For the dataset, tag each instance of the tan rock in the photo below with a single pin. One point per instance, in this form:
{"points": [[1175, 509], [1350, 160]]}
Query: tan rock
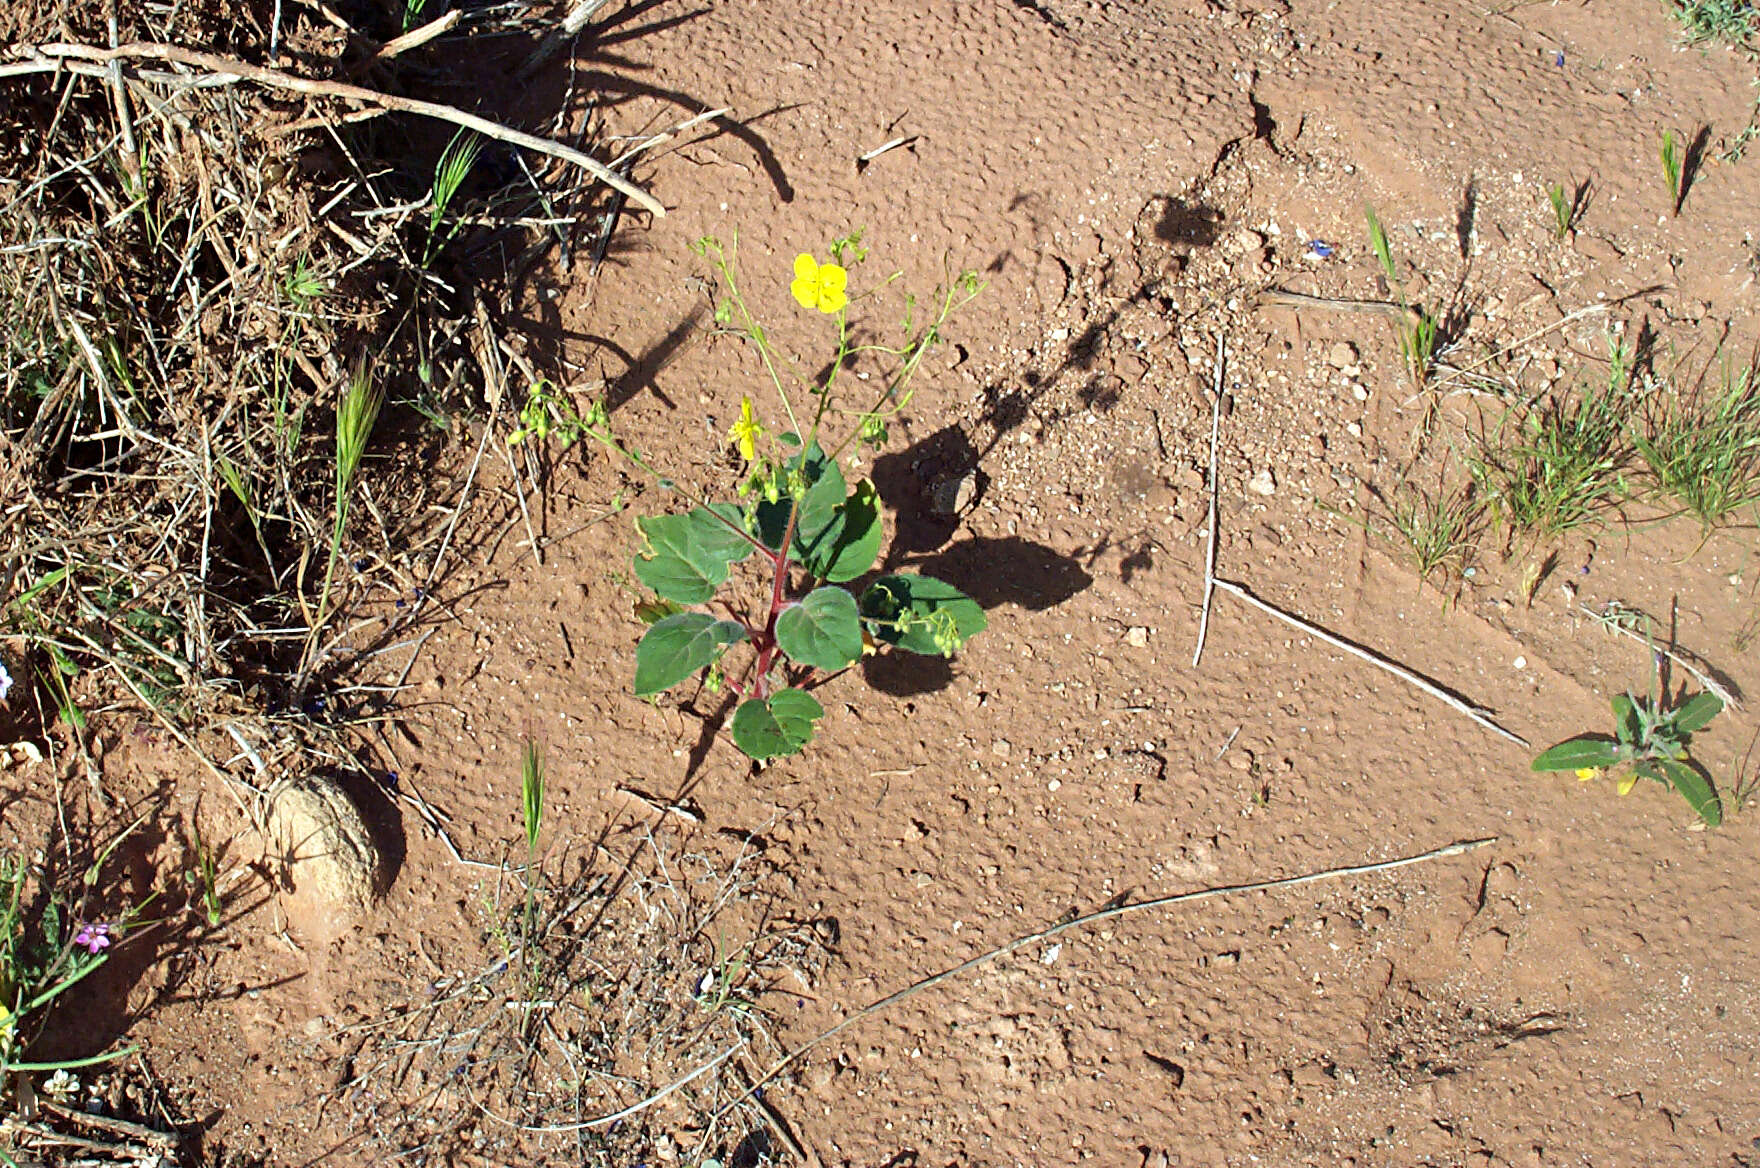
{"points": [[325, 858]]}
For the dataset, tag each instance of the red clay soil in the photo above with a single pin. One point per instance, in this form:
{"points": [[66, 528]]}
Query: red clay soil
{"points": [[1128, 178]]}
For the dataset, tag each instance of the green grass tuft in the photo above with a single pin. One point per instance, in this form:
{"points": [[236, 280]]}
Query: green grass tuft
{"points": [[1729, 22], [1568, 464], [1704, 450]]}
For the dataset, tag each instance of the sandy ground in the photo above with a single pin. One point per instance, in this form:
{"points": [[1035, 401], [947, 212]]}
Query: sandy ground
{"points": [[1128, 178]]}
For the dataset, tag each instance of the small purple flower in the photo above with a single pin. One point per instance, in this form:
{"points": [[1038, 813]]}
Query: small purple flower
{"points": [[1320, 249], [5, 681], [93, 938], [1559, 60]]}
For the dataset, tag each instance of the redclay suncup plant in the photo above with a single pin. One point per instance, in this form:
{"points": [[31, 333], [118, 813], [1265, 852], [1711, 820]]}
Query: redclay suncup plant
{"points": [[1648, 742], [815, 535]]}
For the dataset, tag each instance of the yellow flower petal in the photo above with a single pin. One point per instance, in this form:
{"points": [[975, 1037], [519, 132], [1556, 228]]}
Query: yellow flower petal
{"points": [[1587, 773], [819, 286], [746, 432], [805, 288], [1627, 782], [832, 300]]}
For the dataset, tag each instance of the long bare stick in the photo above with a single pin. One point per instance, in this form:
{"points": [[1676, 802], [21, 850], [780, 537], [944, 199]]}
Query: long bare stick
{"points": [[417, 37], [1474, 712], [47, 58], [1615, 615], [578, 15], [1210, 549], [1105, 914], [634, 1108]]}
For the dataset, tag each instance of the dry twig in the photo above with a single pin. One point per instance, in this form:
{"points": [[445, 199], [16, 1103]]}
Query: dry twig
{"points": [[1093, 918], [52, 58], [1406, 675], [1210, 549]]}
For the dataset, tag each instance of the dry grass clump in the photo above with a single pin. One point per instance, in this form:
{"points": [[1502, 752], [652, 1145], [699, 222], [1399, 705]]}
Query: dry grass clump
{"points": [[627, 1021], [208, 288]]}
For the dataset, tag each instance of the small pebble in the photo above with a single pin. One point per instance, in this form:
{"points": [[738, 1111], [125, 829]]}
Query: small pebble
{"points": [[1136, 636], [1342, 354], [1263, 483]]}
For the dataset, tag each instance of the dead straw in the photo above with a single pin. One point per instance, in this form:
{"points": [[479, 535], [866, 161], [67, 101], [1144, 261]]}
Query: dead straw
{"points": [[1210, 548], [1406, 675], [52, 58]]}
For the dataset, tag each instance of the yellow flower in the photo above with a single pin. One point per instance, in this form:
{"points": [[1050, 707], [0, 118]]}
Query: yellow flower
{"points": [[746, 431], [1627, 781], [818, 285], [1587, 773]]}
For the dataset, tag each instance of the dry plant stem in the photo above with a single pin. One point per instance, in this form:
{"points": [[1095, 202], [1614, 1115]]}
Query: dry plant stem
{"points": [[1474, 712], [578, 15], [1092, 918], [416, 37], [647, 144], [637, 1107], [1579, 314], [1608, 621], [1278, 298], [52, 57], [1210, 550], [773, 1120]]}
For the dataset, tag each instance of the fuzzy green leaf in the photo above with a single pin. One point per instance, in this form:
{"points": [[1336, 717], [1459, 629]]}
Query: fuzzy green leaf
{"points": [[921, 614], [688, 556], [1625, 718], [1697, 712], [780, 725], [677, 646], [1591, 750], [1694, 787], [824, 630], [849, 544]]}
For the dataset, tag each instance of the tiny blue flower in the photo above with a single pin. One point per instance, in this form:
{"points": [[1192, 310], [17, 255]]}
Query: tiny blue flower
{"points": [[1559, 60], [1320, 249], [5, 681]]}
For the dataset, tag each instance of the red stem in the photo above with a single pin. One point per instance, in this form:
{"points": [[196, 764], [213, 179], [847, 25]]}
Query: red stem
{"points": [[778, 588]]}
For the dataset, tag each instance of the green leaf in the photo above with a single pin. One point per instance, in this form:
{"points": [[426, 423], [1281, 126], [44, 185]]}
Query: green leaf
{"points": [[776, 726], [1590, 750], [1694, 787], [677, 646], [850, 543], [825, 492], [1697, 712], [824, 630], [1378, 241], [689, 555], [1625, 718], [921, 614], [649, 611]]}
